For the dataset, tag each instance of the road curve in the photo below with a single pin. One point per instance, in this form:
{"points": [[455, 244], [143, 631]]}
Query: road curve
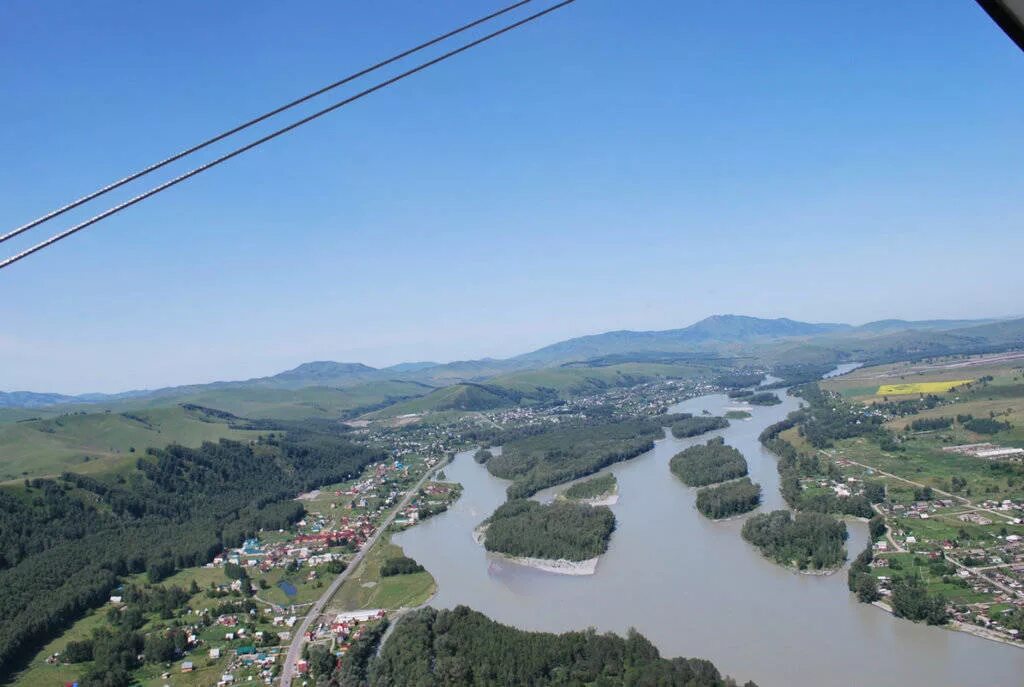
{"points": [[299, 639]]}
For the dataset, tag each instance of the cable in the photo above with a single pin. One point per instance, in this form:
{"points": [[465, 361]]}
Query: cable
{"points": [[241, 127], [305, 120]]}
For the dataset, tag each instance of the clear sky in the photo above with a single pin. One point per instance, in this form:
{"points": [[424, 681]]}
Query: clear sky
{"points": [[636, 164]]}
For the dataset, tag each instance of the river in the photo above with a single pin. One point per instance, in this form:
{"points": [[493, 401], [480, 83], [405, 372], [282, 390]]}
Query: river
{"points": [[695, 588]]}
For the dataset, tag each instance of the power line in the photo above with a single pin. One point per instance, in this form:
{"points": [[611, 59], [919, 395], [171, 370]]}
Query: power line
{"points": [[241, 127], [305, 120]]}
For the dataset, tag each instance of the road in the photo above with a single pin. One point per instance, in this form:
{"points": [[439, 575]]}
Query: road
{"points": [[299, 638], [977, 571]]}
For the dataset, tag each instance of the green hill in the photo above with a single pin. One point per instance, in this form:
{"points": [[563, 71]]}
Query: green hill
{"points": [[99, 442]]}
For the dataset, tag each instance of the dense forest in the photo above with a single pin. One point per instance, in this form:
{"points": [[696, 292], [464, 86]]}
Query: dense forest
{"points": [[462, 647], [694, 426], [731, 498], [65, 543], [592, 488], [706, 464], [563, 529], [564, 453], [803, 540]]}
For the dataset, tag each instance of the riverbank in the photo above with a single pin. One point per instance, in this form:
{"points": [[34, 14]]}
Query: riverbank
{"points": [[957, 626], [560, 566], [609, 499]]}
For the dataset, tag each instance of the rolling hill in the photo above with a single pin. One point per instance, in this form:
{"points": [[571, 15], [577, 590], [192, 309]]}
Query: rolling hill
{"points": [[332, 389]]}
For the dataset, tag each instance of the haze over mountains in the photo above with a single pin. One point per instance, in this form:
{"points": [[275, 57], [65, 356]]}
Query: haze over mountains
{"points": [[762, 340]]}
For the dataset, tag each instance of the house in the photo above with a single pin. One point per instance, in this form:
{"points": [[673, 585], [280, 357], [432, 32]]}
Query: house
{"points": [[215, 653], [187, 667]]}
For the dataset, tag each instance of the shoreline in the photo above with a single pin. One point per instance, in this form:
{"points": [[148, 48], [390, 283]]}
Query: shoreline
{"points": [[609, 499], [558, 566], [958, 626]]}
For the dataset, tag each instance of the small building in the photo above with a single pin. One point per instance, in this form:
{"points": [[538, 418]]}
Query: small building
{"points": [[187, 667]]}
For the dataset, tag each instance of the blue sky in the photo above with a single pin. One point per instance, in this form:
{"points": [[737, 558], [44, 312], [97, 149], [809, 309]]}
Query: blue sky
{"points": [[618, 165]]}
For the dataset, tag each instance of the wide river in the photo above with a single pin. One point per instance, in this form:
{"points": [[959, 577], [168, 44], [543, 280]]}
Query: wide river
{"points": [[695, 588]]}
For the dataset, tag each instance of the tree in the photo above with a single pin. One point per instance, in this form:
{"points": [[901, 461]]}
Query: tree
{"points": [[321, 661], [867, 589]]}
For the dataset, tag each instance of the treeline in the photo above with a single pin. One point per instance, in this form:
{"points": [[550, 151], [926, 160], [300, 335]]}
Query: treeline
{"points": [[983, 425], [798, 373], [564, 453], [763, 398], [562, 529], [801, 540], [793, 464], [463, 647], [592, 488], [694, 426], [400, 565], [910, 599], [706, 464], [731, 498], [859, 578], [66, 543], [738, 380], [927, 424], [829, 418], [482, 456]]}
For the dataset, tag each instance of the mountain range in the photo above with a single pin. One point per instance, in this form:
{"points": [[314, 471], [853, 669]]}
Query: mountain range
{"points": [[767, 341]]}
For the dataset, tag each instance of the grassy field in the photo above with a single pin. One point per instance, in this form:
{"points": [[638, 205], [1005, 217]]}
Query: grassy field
{"points": [[926, 464], [367, 589], [915, 564], [867, 383], [41, 674], [98, 442]]}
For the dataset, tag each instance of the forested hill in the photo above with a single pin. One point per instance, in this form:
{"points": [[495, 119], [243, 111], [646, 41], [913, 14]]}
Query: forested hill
{"points": [[463, 647], [65, 543]]}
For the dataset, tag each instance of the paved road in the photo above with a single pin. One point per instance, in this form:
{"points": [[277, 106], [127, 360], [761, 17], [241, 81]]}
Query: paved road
{"points": [[299, 638]]}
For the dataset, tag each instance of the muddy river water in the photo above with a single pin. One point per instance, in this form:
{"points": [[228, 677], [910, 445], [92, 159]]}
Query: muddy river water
{"points": [[695, 588]]}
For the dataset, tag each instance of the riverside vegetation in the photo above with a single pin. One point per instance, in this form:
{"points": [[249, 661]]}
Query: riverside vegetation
{"points": [[706, 464], [592, 488], [730, 498], [800, 540], [695, 426], [560, 530], [564, 453], [461, 646]]}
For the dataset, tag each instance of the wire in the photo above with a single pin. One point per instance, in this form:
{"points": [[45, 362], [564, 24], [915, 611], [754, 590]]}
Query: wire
{"points": [[241, 127], [305, 120]]}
